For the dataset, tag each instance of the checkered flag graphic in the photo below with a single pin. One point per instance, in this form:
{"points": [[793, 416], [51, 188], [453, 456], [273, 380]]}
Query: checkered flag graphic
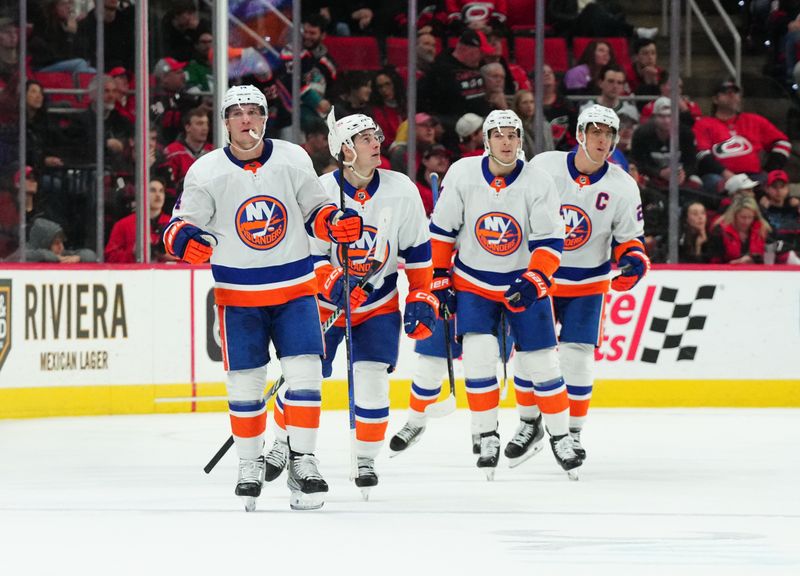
{"points": [[660, 325]]}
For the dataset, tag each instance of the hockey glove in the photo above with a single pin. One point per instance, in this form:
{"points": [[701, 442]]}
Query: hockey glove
{"points": [[187, 242], [420, 315], [531, 286], [333, 290], [442, 288], [634, 265], [344, 226]]}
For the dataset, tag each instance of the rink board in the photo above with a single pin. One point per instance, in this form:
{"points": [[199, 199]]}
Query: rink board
{"points": [[140, 339]]}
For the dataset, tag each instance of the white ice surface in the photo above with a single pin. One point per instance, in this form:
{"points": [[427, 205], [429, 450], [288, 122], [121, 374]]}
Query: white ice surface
{"points": [[662, 492]]}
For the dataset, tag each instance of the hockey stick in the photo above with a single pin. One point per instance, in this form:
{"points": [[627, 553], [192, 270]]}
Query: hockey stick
{"points": [[448, 405], [377, 262], [435, 187], [504, 387]]}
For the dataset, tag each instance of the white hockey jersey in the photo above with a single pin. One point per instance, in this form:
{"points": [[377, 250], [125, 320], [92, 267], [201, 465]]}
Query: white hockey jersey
{"points": [[601, 212], [408, 239], [500, 226], [261, 214]]}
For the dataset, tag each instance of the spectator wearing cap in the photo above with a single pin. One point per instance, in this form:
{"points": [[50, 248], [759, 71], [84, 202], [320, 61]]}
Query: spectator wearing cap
{"points": [[126, 101], [388, 104], [650, 147], [469, 129], [611, 83], [732, 142], [782, 211], [119, 37], [524, 105], [179, 30], [739, 235], [425, 130], [54, 45], [435, 159], [689, 109], [188, 147], [170, 101], [454, 85]]}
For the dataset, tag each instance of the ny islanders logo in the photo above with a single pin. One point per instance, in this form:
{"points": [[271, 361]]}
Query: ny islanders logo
{"points": [[362, 251], [498, 233], [578, 226], [261, 222]]}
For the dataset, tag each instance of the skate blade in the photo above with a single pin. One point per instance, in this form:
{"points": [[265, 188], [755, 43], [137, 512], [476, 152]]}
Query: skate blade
{"points": [[573, 475], [489, 474], [302, 501], [535, 449], [249, 503], [365, 493]]}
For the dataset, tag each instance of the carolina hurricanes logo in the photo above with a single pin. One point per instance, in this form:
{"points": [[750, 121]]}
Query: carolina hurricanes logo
{"points": [[362, 251], [498, 233], [733, 147], [578, 226], [261, 222]]}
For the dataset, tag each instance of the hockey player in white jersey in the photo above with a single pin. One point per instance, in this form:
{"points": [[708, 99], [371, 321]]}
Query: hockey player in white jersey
{"points": [[249, 207], [602, 210], [503, 216], [376, 320]]}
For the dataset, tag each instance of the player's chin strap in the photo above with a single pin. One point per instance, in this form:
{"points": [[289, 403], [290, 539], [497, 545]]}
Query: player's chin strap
{"points": [[253, 134], [352, 167], [505, 164], [588, 156]]}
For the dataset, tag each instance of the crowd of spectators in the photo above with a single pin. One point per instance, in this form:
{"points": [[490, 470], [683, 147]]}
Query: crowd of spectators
{"points": [[466, 68]]}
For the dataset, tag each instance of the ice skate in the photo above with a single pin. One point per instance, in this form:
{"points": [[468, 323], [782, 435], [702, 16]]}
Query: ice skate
{"points": [[367, 478], [305, 482], [276, 460], [490, 453], [527, 442], [408, 435], [248, 486], [576, 443], [476, 443], [564, 451]]}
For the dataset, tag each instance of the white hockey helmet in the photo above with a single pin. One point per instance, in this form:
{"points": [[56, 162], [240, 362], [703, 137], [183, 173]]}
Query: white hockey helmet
{"points": [[342, 131], [241, 95], [503, 119], [597, 114]]}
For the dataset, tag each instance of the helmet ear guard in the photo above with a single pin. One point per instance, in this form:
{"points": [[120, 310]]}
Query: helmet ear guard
{"points": [[503, 119]]}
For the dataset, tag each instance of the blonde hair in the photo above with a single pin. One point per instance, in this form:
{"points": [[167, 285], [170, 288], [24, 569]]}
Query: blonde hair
{"points": [[518, 98], [740, 203]]}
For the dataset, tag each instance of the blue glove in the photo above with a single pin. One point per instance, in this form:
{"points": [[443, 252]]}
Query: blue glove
{"points": [[442, 288], [420, 314], [634, 265], [531, 286]]}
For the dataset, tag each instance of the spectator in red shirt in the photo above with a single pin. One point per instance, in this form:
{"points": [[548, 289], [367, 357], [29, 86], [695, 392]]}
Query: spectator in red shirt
{"points": [[189, 146], [646, 72], [731, 141], [689, 109], [125, 104], [388, 105], [739, 235], [121, 247]]}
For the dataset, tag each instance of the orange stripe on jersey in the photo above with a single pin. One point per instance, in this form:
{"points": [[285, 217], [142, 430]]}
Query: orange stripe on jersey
{"points": [[572, 290], [579, 408], [442, 253], [360, 317], [371, 432], [274, 297], [169, 237], [625, 246], [418, 404], [544, 261], [248, 427], [301, 416], [483, 402], [321, 222], [465, 285], [527, 398], [553, 404], [322, 274], [419, 278]]}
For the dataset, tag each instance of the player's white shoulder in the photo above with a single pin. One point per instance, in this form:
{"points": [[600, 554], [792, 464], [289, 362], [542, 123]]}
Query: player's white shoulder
{"points": [[397, 182], [549, 160], [289, 153], [623, 183], [469, 167], [208, 165]]}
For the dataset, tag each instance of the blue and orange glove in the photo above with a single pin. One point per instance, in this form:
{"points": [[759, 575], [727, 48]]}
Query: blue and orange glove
{"points": [[531, 286], [333, 290], [420, 315], [442, 289], [344, 226], [634, 265], [188, 242]]}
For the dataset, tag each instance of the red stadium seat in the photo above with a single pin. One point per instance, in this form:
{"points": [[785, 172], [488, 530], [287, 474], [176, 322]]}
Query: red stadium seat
{"points": [[555, 53], [619, 45], [354, 52], [57, 81], [84, 79], [521, 15], [397, 51]]}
